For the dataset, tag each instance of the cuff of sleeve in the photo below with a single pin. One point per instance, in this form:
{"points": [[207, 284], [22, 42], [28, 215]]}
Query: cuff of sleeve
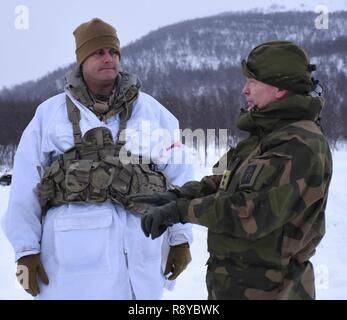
{"points": [[19, 255], [179, 233], [182, 245], [182, 208]]}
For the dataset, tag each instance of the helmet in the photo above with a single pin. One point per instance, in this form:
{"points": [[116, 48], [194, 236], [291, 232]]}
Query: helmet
{"points": [[282, 64]]}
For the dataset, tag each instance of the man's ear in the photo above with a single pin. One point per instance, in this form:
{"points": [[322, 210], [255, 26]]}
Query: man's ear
{"points": [[281, 93]]}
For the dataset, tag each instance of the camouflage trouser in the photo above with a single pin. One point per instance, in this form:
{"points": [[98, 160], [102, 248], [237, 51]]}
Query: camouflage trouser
{"points": [[226, 281]]}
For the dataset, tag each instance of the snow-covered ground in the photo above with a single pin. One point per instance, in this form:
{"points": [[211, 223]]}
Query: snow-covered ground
{"points": [[330, 260]]}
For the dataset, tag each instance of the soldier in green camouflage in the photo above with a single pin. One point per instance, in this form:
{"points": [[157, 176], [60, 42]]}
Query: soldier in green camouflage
{"points": [[266, 213]]}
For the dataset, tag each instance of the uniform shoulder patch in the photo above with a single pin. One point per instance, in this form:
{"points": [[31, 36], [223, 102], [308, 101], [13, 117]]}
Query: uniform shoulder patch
{"points": [[250, 174]]}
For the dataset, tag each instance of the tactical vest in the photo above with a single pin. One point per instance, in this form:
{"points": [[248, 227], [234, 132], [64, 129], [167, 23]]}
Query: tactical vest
{"points": [[92, 171]]}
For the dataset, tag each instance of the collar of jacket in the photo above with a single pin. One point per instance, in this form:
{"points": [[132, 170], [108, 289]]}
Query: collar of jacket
{"points": [[125, 92], [281, 113]]}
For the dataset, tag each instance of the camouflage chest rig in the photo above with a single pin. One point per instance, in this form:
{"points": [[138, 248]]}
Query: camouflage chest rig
{"points": [[92, 171]]}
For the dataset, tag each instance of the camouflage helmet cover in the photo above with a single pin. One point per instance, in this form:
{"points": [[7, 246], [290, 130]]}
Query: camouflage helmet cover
{"points": [[282, 64]]}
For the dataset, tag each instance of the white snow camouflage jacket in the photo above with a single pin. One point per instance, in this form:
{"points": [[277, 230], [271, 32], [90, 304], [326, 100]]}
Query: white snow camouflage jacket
{"points": [[93, 251]]}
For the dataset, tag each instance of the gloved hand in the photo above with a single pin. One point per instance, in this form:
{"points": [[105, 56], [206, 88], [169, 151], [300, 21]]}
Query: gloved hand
{"points": [[157, 198], [178, 259], [157, 219], [28, 268]]}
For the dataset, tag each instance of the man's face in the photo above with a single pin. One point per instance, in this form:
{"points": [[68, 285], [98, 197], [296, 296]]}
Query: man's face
{"points": [[102, 66], [259, 94]]}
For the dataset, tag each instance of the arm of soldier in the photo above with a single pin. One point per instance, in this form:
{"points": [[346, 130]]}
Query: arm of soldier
{"points": [[182, 174], [208, 184], [22, 220], [282, 188], [197, 189], [190, 190]]}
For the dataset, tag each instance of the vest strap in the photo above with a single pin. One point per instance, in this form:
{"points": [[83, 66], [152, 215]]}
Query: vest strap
{"points": [[74, 117]]}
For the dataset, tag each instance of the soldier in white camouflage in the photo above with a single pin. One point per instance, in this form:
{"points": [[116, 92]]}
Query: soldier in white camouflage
{"points": [[73, 233], [266, 213]]}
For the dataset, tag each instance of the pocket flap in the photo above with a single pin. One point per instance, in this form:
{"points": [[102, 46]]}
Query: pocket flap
{"points": [[78, 175], [82, 221]]}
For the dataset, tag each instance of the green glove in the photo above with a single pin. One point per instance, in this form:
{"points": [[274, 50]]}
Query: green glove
{"points": [[156, 198], [28, 269], [178, 259], [157, 219]]}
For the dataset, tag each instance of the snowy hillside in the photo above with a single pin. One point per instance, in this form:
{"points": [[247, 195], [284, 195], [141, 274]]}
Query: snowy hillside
{"points": [[210, 44], [195, 65], [330, 260]]}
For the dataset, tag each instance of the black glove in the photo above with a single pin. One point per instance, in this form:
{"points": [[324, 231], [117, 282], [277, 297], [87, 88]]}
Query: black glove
{"points": [[156, 198], [157, 219]]}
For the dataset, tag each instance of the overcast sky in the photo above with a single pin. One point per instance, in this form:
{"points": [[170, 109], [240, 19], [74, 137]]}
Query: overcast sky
{"points": [[32, 47]]}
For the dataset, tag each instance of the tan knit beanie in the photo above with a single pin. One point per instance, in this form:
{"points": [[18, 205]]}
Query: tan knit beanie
{"points": [[92, 36]]}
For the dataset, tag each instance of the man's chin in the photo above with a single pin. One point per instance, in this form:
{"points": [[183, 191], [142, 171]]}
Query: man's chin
{"points": [[108, 78], [107, 73]]}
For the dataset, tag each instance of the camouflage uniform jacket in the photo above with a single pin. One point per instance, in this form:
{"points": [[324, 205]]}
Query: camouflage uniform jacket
{"points": [[265, 220]]}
